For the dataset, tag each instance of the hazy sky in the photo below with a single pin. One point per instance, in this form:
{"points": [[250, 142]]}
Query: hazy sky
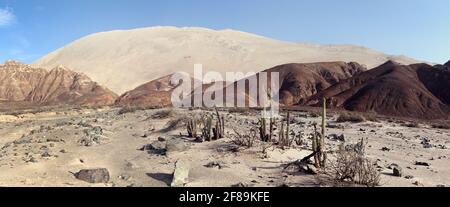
{"points": [[30, 29]]}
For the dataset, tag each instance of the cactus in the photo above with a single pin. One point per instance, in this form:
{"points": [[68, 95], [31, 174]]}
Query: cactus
{"points": [[271, 128], [322, 140], [318, 147], [192, 127], [287, 141], [219, 129], [282, 134], [206, 133]]}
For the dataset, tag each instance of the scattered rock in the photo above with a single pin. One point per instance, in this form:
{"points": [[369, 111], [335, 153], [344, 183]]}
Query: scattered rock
{"points": [[100, 175], [176, 145], [417, 183], [422, 164], [156, 147], [385, 149], [426, 143], [213, 164], [397, 171], [409, 177], [337, 137]]}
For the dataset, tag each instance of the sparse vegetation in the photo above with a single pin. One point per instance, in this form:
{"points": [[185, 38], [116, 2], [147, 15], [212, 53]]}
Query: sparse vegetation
{"points": [[128, 109], [371, 116], [350, 117], [239, 110], [163, 114], [244, 139], [441, 126], [204, 124], [411, 125], [351, 165]]}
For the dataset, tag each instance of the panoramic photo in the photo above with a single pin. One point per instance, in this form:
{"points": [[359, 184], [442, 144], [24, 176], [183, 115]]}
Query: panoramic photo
{"points": [[224, 93]]}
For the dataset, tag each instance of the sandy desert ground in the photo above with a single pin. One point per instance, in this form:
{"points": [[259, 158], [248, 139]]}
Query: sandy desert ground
{"points": [[46, 149]]}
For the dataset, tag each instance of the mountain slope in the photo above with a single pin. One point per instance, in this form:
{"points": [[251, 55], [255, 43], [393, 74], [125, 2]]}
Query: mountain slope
{"points": [[20, 82], [297, 81], [17, 80], [123, 60], [418, 90]]}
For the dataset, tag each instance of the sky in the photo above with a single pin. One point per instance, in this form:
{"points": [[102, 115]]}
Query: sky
{"points": [[30, 29]]}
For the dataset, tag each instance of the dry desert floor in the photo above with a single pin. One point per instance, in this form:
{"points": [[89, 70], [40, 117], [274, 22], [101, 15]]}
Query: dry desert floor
{"points": [[47, 148]]}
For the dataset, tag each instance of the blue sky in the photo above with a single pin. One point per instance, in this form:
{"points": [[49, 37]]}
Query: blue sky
{"points": [[30, 29]]}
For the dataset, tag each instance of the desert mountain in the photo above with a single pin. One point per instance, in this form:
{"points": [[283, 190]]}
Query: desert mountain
{"points": [[123, 60], [154, 93], [21, 82], [300, 81], [18, 80], [418, 90], [297, 81]]}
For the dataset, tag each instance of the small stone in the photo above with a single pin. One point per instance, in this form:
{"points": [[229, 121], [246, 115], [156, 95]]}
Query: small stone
{"points": [[409, 177], [385, 149], [397, 171], [422, 164], [161, 139], [100, 175], [417, 183]]}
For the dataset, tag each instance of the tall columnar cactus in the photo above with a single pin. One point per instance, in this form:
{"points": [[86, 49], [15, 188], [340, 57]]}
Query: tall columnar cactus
{"points": [[324, 125], [192, 127], [271, 128], [206, 133], [287, 141], [262, 129]]}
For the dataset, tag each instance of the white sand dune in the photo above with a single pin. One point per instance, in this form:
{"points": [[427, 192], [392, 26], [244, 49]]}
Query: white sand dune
{"points": [[122, 60]]}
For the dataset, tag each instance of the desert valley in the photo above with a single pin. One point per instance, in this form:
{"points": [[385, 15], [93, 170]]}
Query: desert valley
{"points": [[98, 112]]}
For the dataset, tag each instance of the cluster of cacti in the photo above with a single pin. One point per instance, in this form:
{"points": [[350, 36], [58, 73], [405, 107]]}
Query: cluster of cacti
{"points": [[264, 134], [318, 142], [205, 125]]}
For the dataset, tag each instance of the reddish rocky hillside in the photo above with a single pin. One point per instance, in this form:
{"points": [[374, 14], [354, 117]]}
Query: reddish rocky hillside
{"points": [[20, 82], [17, 80], [300, 81], [419, 91], [154, 93]]}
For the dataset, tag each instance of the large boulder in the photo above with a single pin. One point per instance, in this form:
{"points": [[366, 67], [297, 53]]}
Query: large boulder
{"points": [[180, 174]]}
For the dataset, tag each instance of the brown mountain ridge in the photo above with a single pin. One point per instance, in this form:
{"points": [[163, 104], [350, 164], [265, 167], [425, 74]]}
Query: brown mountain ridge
{"points": [[417, 91], [59, 86]]}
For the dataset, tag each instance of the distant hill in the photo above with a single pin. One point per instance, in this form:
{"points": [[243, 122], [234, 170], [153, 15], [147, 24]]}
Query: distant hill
{"points": [[21, 82], [123, 60], [393, 89]]}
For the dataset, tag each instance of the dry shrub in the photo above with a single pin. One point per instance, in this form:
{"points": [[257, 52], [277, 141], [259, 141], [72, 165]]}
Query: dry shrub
{"points": [[441, 126], [244, 139], [129, 109], [351, 165], [174, 124], [350, 117], [371, 116], [239, 110], [411, 125], [163, 114]]}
